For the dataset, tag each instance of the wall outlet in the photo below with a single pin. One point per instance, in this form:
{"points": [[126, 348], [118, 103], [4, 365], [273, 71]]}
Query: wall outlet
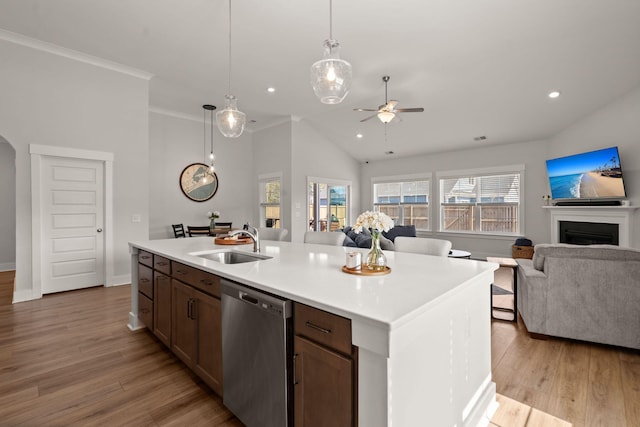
{"points": [[136, 218]]}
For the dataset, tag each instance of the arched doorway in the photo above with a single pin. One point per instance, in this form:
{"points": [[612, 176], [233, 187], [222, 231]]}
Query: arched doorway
{"points": [[7, 221]]}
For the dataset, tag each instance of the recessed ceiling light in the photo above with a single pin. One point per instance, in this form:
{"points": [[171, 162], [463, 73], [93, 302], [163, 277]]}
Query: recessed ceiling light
{"points": [[271, 89], [388, 152], [359, 135], [554, 94], [480, 138]]}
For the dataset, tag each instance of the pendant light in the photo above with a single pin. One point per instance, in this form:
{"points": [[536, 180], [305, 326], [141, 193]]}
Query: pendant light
{"points": [[331, 76], [209, 159], [230, 120]]}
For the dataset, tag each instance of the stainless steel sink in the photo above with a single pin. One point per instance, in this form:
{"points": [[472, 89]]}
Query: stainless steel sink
{"points": [[232, 257]]}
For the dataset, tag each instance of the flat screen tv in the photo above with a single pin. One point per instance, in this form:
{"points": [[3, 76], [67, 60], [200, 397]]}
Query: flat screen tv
{"points": [[596, 175]]}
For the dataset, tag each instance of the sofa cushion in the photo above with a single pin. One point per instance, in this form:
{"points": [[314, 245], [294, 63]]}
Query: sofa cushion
{"points": [[400, 230], [596, 252]]}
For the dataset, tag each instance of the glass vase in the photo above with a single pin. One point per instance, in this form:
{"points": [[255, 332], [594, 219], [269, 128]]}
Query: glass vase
{"points": [[376, 259], [212, 225]]}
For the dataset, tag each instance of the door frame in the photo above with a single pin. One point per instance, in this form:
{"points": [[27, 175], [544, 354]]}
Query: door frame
{"points": [[37, 152]]}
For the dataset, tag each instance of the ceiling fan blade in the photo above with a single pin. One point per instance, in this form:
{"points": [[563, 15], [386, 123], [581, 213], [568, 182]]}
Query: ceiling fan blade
{"points": [[410, 110], [391, 105], [364, 109], [369, 118]]}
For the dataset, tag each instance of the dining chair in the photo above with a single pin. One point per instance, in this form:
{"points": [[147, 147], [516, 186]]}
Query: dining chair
{"points": [[335, 238], [196, 230], [422, 245], [268, 233], [178, 230]]}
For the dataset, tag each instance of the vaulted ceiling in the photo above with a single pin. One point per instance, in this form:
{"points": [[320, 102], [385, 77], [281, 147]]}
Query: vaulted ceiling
{"points": [[478, 67]]}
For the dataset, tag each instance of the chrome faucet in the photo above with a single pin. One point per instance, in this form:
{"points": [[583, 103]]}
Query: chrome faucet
{"points": [[251, 232]]}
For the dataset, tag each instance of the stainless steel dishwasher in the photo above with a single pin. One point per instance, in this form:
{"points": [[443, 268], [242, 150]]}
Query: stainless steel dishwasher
{"points": [[256, 356]]}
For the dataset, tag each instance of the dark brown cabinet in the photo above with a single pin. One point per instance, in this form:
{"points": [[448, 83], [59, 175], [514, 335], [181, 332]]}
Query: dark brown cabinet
{"points": [[324, 369], [162, 308], [197, 333]]}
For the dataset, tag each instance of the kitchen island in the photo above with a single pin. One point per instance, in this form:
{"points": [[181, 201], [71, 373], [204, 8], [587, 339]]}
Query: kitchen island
{"points": [[422, 331]]}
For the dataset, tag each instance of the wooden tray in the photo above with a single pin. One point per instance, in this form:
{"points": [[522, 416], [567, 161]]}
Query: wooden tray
{"points": [[240, 241], [366, 272]]}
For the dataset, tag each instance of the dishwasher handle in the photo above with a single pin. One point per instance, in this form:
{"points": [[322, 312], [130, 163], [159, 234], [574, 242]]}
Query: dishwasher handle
{"points": [[248, 298], [266, 302]]}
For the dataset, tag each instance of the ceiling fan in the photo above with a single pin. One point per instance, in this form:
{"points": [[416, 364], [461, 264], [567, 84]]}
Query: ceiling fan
{"points": [[387, 111]]}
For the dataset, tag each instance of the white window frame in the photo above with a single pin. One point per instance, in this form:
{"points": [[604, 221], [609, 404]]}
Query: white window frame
{"points": [[262, 204], [497, 170], [428, 176], [330, 182]]}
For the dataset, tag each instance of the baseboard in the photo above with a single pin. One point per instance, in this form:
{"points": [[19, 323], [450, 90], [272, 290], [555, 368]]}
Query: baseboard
{"points": [[123, 279], [22, 296], [7, 266]]}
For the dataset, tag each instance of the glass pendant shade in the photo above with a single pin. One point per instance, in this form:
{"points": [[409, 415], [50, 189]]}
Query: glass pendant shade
{"points": [[331, 76], [386, 116], [231, 121]]}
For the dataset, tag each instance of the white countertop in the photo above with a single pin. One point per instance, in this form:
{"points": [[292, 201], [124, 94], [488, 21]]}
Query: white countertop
{"points": [[311, 274]]}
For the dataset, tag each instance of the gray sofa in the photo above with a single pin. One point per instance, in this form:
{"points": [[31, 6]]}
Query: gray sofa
{"points": [[589, 293]]}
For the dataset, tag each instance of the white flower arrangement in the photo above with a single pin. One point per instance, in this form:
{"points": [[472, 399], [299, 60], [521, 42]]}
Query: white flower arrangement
{"points": [[213, 214], [374, 221]]}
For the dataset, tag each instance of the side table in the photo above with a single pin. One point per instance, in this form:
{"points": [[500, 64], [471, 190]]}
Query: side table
{"points": [[513, 265], [456, 253]]}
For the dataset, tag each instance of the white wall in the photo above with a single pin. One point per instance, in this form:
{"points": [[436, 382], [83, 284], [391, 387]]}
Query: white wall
{"points": [[176, 142], [272, 151], [8, 206], [53, 100], [314, 155], [615, 124], [531, 154]]}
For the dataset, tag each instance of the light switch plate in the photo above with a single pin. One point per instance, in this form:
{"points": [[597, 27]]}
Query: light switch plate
{"points": [[136, 218]]}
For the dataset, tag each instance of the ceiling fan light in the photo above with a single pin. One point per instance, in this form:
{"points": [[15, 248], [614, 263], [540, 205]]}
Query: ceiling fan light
{"points": [[231, 121], [386, 116], [331, 76]]}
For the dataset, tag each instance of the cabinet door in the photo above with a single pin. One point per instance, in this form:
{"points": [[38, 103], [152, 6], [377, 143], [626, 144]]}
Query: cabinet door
{"points": [[208, 361], [183, 332], [162, 308], [323, 386]]}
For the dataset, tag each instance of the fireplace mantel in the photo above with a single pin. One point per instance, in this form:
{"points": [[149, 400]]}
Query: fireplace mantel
{"points": [[620, 215]]}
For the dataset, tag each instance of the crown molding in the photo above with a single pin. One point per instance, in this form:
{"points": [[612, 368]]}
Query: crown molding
{"points": [[72, 54], [175, 114]]}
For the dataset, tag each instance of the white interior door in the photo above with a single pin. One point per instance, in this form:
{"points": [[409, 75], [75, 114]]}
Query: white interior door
{"points": [[72, 211]]}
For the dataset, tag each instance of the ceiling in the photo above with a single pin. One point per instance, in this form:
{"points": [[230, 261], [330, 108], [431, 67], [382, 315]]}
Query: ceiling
{"points": [[479, 68]]}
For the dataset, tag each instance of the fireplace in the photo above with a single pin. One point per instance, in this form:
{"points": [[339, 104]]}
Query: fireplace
{"points": [[588, 233], [618, 217]]}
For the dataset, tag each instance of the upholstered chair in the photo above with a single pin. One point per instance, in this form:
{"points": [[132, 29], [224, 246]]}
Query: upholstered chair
{"points": [[268, 233], [334, 238], [422, 245]]}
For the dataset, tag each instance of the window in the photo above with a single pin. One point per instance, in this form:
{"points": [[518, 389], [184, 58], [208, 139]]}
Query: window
{"points": [[328, 204], [482, 202], [406, 202], [270, 201]]}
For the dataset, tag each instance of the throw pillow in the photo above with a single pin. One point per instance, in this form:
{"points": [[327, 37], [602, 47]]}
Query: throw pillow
{"points": [[386, 244], [400, 230], [349, 242]]}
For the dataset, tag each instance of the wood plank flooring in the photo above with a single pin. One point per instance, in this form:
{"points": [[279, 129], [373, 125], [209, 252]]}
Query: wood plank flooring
{"points": [[586, 384], [69, 360]]}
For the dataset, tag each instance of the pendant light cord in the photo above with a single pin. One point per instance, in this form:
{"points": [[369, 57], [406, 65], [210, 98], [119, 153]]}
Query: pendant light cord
{"points": [[211, 122], [229, 92], [330, 19]]}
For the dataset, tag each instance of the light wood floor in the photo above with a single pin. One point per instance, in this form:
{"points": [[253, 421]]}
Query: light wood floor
{"points": [[69, 360], [586, 384]]}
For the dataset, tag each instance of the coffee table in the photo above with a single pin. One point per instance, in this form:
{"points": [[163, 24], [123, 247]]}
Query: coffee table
{"points": [[513, 265]]}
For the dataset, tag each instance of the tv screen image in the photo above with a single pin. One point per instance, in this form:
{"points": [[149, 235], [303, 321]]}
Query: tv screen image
{"points": [[593, 175]]}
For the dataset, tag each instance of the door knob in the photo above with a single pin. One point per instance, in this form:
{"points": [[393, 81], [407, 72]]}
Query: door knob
{"points": [[99, 230]]}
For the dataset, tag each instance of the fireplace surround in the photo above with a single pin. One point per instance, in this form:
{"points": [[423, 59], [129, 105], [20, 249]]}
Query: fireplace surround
{"points": [[618, 215]]}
